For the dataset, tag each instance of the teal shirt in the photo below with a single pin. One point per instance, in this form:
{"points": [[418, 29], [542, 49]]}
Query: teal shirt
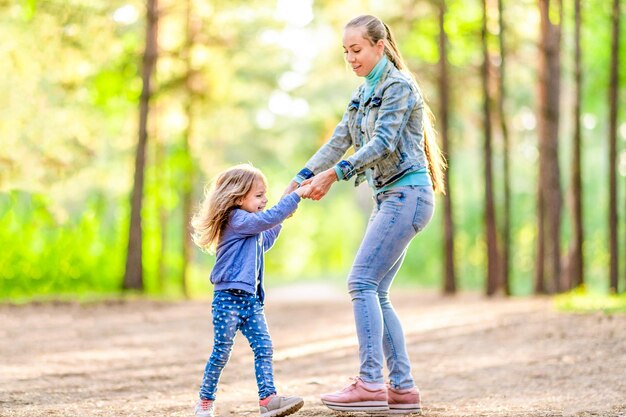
{"points": [[420, 178], [373, 77]]}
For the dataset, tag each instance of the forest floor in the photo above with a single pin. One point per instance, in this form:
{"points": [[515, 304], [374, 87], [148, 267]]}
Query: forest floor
{"points": [[471, 356]]}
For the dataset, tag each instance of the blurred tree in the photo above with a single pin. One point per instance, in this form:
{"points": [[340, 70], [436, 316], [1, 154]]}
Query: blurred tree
{"points": [[613, 111], [188, 172], [575, 264], [449, 286], [160, 174], [216, 75], [133, 275], [548, 259], [491, 233], [506, 174]]}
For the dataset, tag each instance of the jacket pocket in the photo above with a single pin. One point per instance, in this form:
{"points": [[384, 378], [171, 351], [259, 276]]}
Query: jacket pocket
{"points": [[372, 114], [353, 108]]}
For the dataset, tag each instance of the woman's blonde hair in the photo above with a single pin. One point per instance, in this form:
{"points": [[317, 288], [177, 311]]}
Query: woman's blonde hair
{"points": [[375, 30], [230, 187]]}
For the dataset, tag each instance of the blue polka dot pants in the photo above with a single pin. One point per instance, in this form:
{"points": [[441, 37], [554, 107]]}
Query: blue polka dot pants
{"points": [[238, 310]]}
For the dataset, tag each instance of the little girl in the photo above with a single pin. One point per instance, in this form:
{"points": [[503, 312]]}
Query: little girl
{"points": [[231, 222]]}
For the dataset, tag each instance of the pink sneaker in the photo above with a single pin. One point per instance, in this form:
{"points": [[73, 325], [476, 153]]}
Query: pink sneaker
{"points": [[403, 401], [357, 397]]}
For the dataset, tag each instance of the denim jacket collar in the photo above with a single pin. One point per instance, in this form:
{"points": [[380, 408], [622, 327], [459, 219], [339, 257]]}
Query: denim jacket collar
{"points": [[358, 96]]}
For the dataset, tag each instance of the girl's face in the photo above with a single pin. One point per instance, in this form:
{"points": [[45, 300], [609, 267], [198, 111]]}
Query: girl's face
{"points": [[255, 200], [359, 52]]}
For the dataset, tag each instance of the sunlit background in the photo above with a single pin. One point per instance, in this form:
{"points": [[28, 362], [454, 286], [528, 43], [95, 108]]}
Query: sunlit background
{"points": [[267, 84]]}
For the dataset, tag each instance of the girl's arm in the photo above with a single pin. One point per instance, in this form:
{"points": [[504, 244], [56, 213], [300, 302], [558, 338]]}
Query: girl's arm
{"points": [[247, 223], [270, 236]]}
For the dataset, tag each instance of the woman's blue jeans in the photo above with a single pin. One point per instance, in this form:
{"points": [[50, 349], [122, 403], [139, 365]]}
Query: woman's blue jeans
{"points": [[398, 215], [238, 310]]}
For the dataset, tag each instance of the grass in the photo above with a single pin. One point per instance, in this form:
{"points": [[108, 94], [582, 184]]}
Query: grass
{"points": [[582, 301]]}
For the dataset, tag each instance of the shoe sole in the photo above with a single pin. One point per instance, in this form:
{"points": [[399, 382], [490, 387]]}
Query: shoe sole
{"points": [[391, 412], [364, 406], [285, 411], [405, 410]]}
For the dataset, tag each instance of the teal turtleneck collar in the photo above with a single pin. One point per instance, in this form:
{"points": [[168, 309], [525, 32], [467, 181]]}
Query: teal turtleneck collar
{"points": [[372, 78]]}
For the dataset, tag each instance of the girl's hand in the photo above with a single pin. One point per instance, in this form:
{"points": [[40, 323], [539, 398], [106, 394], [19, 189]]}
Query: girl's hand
{"points": [[303, 191], [320, 184]]}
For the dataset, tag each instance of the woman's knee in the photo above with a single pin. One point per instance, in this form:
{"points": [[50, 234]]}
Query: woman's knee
{"points": [[383, 298], [356, 286]]}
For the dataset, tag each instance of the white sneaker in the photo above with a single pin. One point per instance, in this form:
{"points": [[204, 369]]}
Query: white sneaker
{"points": [[204, 408], [280, 406]]}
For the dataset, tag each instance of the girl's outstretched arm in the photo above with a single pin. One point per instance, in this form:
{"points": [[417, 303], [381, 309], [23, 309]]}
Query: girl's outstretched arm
{"points": [[247, 223]]}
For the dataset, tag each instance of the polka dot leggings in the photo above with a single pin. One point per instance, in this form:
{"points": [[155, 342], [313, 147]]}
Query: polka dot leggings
{"points": [[238, 310]]}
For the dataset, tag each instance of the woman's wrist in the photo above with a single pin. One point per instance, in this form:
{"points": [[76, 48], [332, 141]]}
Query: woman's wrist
{"points": [[344, 170], [331, 173], [338, 173]]}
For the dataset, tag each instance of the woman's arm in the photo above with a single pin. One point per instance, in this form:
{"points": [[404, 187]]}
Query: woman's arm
{"points": [[332, 151]]}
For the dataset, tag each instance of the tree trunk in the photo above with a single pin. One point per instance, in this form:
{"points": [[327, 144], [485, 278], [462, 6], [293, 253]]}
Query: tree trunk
{"points": [[444, 93], [613, 92], [549, 188], [133, 276], [575, 262], [490, 217], [161, 188], [540, 281], [188, 177], [506, 222]]}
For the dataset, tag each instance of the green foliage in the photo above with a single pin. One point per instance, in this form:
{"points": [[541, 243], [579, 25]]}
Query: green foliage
{"points": [[51, 252], [68, 134], [582, 301]]}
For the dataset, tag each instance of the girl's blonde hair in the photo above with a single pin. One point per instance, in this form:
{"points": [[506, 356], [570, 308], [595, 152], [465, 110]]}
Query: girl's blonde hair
{"points": [[230, 187], [375, 30]]}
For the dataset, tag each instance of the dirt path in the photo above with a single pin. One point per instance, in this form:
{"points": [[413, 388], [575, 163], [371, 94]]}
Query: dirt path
{"points": [[471, 357]]}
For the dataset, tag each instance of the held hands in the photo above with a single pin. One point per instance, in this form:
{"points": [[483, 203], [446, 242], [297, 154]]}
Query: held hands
{"points": [[314, 188], [303, 191], [318, 186]]}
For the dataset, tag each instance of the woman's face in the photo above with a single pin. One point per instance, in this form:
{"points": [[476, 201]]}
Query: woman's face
{"points": [[360, 53]]}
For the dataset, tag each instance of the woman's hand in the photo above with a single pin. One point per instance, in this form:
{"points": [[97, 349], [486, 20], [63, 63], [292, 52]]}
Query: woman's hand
{"points": [[320, 184]]}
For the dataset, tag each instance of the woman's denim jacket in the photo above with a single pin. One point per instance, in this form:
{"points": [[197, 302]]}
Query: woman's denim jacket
{"points": [[386, 131]]}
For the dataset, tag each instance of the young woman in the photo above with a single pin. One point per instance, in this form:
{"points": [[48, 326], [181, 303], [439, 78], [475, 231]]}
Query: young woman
{"points": [[387, 122]]}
